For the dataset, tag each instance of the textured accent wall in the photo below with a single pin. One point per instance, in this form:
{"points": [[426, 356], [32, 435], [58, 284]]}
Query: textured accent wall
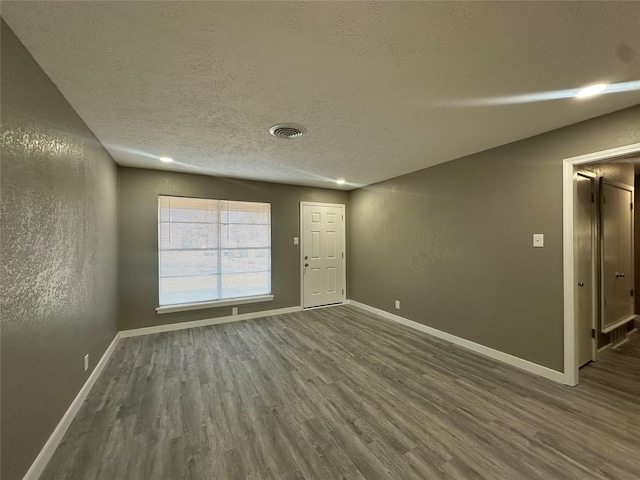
{"points": [[453, 242], [59, 255], [620, 171], [138, 214]]}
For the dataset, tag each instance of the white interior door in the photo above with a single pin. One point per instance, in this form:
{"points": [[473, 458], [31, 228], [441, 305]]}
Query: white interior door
{"points": [[584, 264], [323, 254], [617, 255]]}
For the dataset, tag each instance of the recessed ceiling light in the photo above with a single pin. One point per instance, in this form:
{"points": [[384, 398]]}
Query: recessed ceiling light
{"points": [[340, 181], [166, 159], [591, 90]]}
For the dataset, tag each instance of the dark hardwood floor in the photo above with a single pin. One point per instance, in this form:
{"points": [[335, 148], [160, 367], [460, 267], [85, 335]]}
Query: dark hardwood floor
{"points": [[339, 393]]}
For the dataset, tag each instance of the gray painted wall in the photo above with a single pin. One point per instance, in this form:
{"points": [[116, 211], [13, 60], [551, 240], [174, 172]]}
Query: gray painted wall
{"points": [[138, 268], [59, 255], [453, 242]]}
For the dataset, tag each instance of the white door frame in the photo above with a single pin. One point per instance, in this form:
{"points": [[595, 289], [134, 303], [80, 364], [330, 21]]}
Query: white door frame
{"points": [[571, 373], [344, 239]]}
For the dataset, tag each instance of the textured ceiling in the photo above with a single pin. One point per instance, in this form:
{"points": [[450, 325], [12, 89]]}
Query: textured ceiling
{"points": [[382, 88]]}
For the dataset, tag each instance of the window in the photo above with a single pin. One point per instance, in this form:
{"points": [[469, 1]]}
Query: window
{"points": [[212, 250]]}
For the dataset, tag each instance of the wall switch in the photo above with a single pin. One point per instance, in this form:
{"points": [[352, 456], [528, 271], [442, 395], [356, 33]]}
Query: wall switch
{"points": [[397, 304], [295, 241], [538, 239], [234, 311], [86, 362]]}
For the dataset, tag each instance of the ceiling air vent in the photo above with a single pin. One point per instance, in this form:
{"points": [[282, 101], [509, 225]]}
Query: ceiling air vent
{"points": [[287, 130]]}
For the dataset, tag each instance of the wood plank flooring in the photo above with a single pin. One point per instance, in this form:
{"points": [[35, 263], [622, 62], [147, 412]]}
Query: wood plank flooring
{"points": [[339, 393]]}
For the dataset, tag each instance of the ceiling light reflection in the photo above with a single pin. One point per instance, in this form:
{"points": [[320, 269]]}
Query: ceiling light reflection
{"points": [[546, 96], [592, 90]]}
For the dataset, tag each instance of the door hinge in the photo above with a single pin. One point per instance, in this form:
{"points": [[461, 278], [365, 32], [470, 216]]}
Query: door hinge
{"points": [[605, 302], [632, 292], [604, 199], [593, 333], [342, 254], [593, 198], [343, 218], [631, 205], [343, 291]]}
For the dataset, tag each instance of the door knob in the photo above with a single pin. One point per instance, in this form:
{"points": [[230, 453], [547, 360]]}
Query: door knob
{"points": [[306, 264], [581, 284], [619, 274], [306, 257]]}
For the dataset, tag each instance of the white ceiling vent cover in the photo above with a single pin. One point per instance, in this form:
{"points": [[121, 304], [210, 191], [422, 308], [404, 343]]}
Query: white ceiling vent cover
{"points": [[287, 130]]}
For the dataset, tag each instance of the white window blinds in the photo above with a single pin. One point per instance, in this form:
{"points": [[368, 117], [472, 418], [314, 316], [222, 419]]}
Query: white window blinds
{"points": [[212, 249]]}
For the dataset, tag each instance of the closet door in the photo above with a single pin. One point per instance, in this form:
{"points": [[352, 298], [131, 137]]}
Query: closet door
{"points": [[617, 254]]}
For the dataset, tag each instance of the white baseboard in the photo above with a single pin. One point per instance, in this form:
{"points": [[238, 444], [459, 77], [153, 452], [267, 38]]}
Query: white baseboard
{"points": [[605, 348], [469, 345], [206, 322], [39, 464]]}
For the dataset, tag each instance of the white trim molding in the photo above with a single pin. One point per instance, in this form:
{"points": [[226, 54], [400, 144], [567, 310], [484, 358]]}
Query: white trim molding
{"points": [[571, 373], [206, 322], [39, 464], [184, 307], [468, 344]]}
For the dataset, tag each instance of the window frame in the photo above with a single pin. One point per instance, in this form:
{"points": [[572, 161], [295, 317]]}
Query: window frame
{"points": [[220, 302]]}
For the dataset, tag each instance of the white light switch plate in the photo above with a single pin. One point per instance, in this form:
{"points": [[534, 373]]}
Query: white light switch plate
{"points": [[538, 239], [295, 240]]}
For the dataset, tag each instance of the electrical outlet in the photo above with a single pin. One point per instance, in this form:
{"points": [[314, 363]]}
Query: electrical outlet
{"points": [[397, 304], [538, 240], [295, 241], [86, 362], [234, 311]]}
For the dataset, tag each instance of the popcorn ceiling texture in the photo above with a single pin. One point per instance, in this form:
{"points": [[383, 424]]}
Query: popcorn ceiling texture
{"points": [[382, 88], [59, 255]]}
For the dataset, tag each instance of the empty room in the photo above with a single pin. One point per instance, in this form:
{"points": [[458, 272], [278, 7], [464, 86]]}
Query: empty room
{"points": [[319, 240]]}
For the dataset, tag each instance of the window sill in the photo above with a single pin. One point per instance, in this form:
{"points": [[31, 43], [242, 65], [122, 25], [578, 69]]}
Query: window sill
{"points": [[184, 307]]}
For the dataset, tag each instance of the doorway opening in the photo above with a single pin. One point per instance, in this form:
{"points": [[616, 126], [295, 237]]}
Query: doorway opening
{"points": [[570, 266]]}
